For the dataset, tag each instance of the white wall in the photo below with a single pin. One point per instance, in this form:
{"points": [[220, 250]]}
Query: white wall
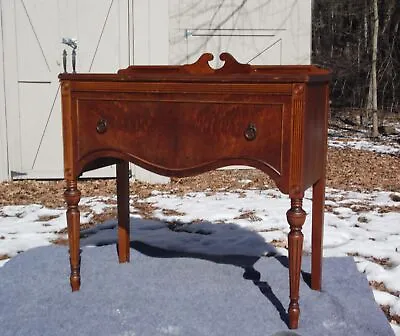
{"points": [[256, 31], [150, 32], [139, 32], [150, 46], [32, 51], [4, 173]]}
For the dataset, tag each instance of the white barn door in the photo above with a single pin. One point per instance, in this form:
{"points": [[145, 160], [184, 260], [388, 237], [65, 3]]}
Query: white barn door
{"points": [[112, 34], [253, 31], [4, 173], [32, 33]]}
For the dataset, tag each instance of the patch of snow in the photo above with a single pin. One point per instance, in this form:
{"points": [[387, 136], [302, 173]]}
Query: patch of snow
{"points": [[365, 145], [22, 227], [246, 181], [97, 204]]}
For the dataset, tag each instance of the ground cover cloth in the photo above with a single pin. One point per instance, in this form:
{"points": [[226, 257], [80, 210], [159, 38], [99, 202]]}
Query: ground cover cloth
{"points": [[168, 293]]}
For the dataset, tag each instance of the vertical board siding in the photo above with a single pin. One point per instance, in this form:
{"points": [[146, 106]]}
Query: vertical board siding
{"points": [[112, 34], [33, 53], [256, 31], [4, 173]]}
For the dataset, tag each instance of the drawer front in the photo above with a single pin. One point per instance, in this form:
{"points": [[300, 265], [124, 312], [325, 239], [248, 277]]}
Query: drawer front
{"points": [[182, 135]]}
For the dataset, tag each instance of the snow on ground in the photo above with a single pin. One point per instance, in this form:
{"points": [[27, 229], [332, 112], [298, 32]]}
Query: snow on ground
{"points": [[364, 225], [23, 227], [26, 226], [340, 138]]}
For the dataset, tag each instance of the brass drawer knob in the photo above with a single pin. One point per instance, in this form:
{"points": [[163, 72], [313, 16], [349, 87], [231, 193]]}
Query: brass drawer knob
{"points": [[101, 126], [251, 132]]}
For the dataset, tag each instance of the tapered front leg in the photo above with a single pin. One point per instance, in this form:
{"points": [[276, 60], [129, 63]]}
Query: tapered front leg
{"points": [[296, 217], [317, 233], [72, 196], [123, 211]]}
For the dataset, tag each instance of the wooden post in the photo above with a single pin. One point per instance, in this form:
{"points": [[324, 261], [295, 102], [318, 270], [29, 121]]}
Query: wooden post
{"points": [[123, 211], [296, 217], [72, 196], [317, 233]]}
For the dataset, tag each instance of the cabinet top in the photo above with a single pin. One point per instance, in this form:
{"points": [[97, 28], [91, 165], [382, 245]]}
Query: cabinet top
{"points": [[200, 71]]}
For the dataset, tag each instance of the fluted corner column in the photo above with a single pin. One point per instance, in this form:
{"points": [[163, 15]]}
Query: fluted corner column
{"points": [[72, 196], [296, 217]]}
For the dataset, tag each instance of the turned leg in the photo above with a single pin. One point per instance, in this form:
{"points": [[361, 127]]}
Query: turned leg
{"points": [[317, 233], [123, 211], [296, 217], [72, 196]]}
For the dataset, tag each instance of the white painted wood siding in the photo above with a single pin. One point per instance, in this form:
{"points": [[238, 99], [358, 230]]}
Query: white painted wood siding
{"points": [[150, 46], [113, 34], [4, 173], [32, 49], [254, 31]]}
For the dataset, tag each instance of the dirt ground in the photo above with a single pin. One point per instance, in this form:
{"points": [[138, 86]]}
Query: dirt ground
{"points": [[347, 169]]}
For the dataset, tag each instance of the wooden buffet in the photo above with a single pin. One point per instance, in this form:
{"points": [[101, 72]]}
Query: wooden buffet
{"points": [[186, 120]]}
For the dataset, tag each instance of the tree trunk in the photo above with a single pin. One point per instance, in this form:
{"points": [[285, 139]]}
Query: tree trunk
{"points": [[373, 90]]}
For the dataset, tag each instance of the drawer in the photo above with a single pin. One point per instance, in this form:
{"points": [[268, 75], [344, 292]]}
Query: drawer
{"points": [[183, 135]]}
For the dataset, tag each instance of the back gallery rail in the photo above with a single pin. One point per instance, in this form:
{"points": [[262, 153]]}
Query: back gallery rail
{"points": [[186, 120]]}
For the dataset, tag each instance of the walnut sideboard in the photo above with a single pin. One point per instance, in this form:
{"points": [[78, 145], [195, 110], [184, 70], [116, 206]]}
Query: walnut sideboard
{"points": [[186, 120]]}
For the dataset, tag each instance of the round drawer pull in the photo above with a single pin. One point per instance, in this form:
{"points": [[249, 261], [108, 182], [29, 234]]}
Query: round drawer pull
{"points": [[101, 126], [251, 132]]}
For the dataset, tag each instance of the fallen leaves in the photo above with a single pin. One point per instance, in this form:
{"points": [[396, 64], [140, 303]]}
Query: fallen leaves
{"points": [[358, 170], [347, 169]]}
